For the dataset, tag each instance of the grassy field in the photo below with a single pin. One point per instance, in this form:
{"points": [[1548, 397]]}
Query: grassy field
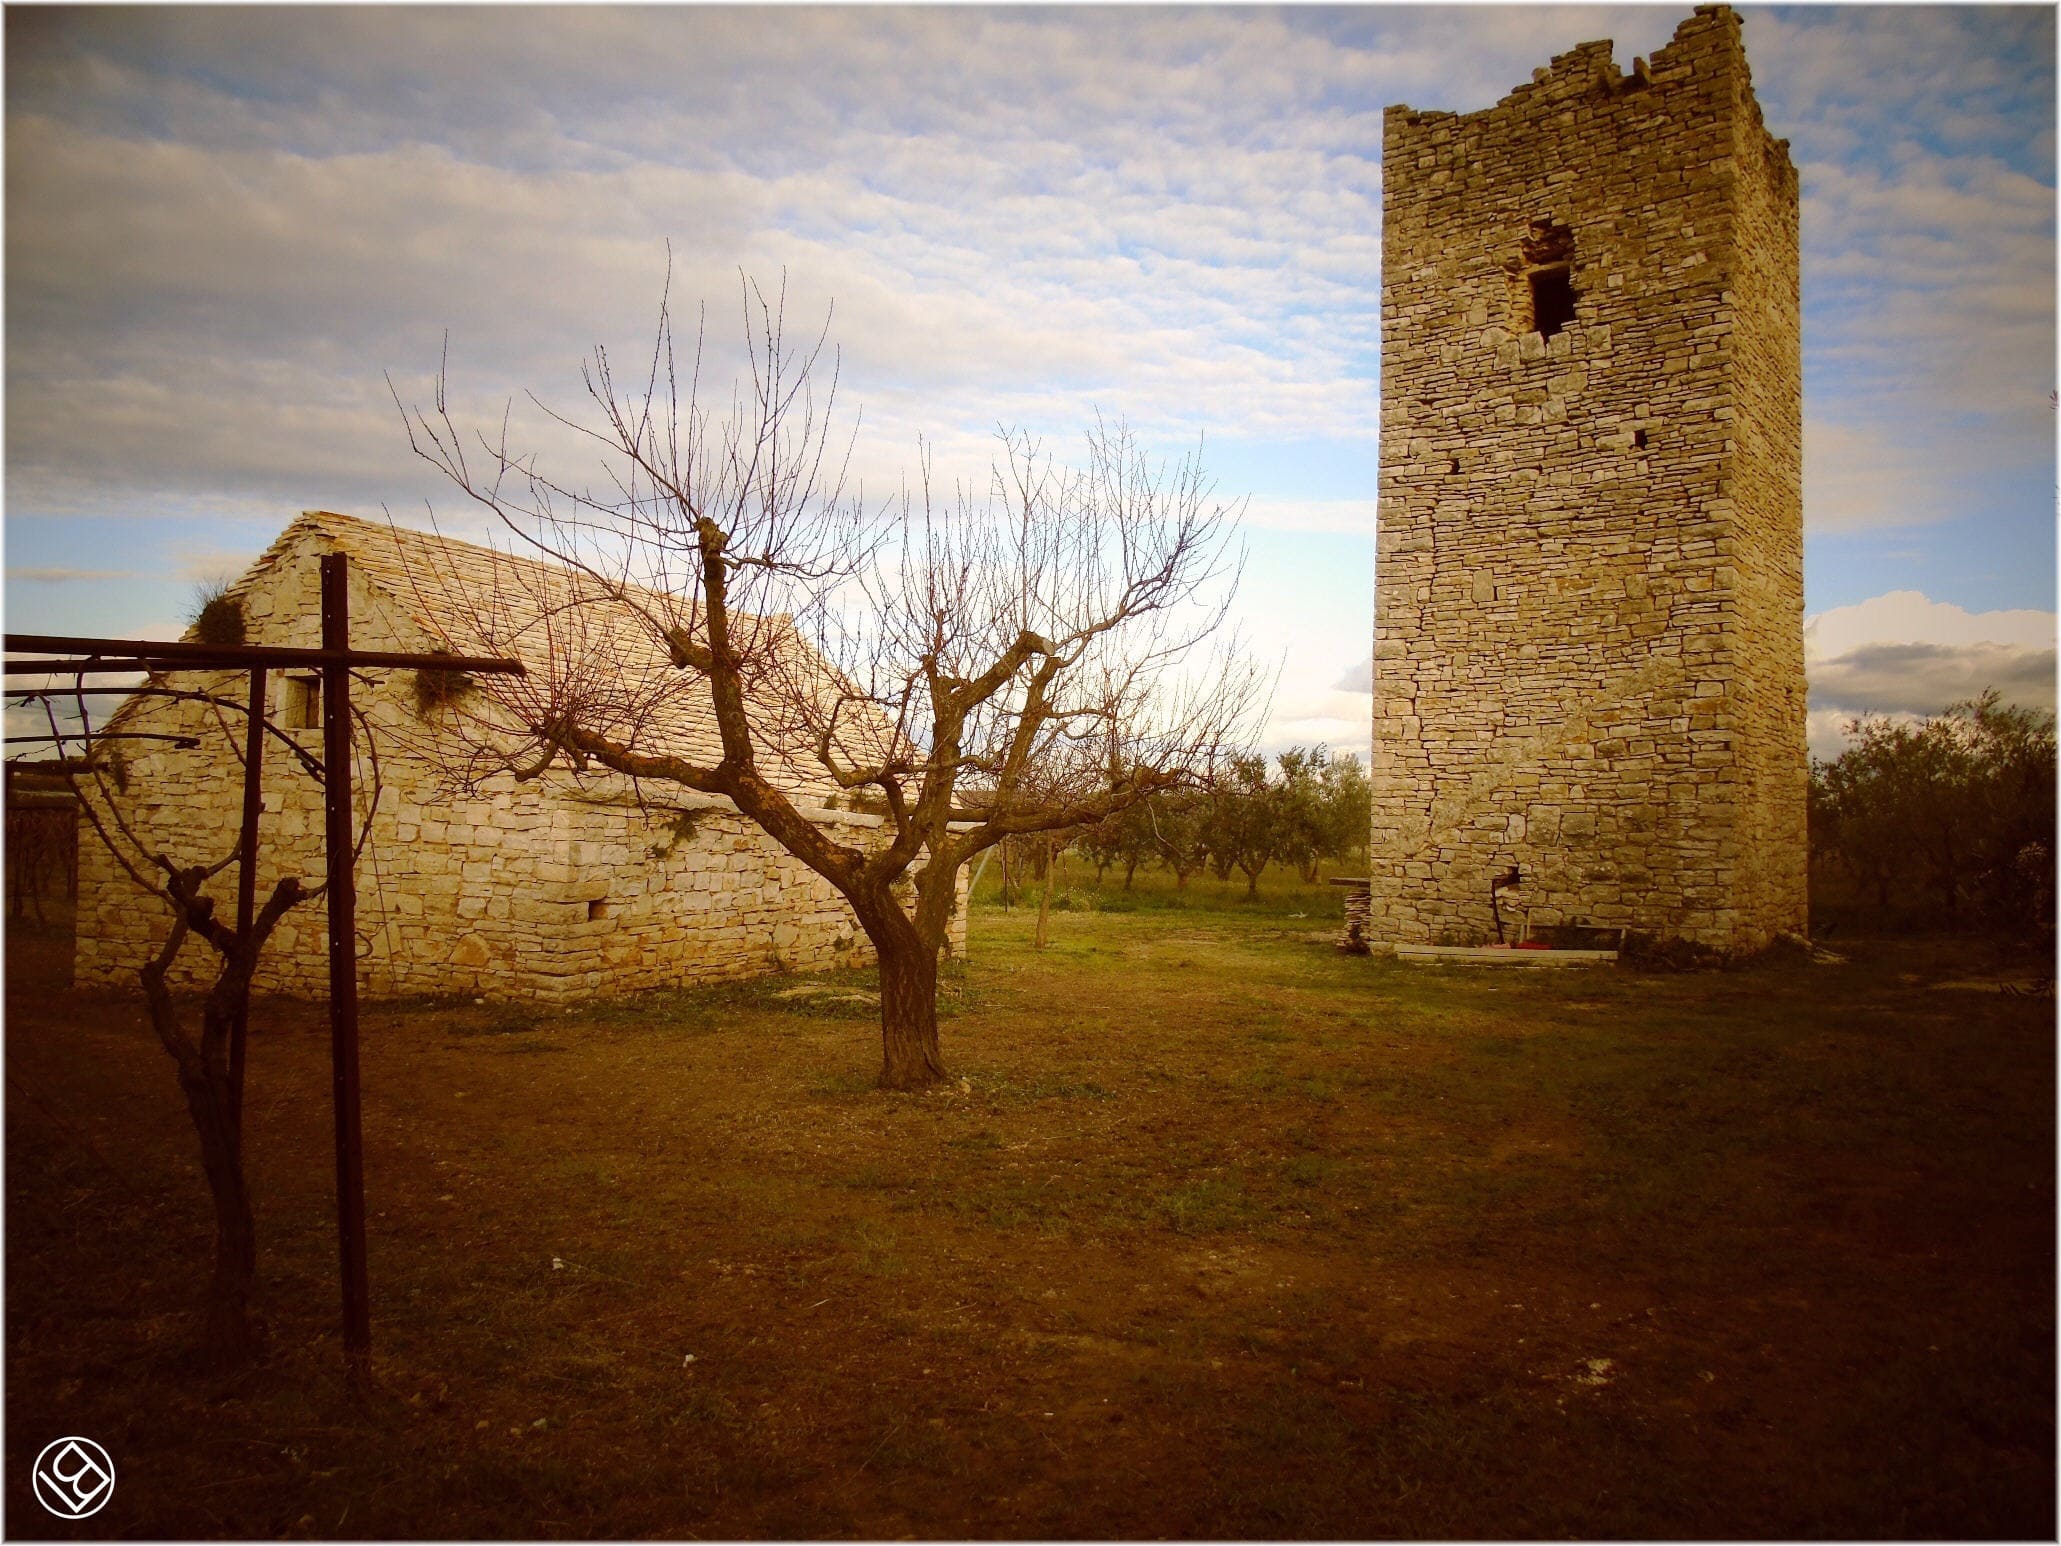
{"points": [[1075, 888], [1221, 1234]]}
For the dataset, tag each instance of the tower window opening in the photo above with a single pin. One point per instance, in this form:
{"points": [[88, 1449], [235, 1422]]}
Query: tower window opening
{"points": [[1639, 439], [1552, 299]]}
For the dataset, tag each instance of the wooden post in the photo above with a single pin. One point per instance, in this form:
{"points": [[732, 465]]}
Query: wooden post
{"points": [[247, 884], [1044, 898], [343, 967], [979, 870]]}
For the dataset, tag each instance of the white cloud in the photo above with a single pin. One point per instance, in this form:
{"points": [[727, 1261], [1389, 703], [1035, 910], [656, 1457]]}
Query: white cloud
{"points": [[228, 223], [1906, 655], [1924, 678], [1309, 717], [1825, 731], [1877, 476], [1912, 617], [1923, 136], [278, 287], [58, 574], [201, 567]]}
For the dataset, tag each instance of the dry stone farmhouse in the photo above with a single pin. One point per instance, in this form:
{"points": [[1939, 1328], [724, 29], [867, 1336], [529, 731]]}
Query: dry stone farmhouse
{"points": [[1589, 595], [551, 888]]}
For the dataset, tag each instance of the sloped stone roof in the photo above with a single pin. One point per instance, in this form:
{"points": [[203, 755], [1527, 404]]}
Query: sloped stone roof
{"points": [[600, 645]]}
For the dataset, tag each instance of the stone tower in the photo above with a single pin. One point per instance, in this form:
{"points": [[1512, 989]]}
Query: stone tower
{"points": [[1588, 641]]}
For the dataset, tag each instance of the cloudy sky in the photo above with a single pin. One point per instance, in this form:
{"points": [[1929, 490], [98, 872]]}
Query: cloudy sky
{"points": [[226, 228]]}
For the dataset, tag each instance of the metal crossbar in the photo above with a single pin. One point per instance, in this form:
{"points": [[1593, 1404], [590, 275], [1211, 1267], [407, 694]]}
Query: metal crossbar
{"points": [[184, 742], [188, 655]]}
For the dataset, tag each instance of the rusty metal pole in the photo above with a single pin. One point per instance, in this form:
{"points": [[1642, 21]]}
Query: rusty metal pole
{"points": [[343, 968], [247, 883]]}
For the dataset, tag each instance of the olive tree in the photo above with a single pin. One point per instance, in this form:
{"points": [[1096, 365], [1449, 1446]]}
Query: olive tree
{"points": [[1960, 803], [1246, 821], [980, 662]]}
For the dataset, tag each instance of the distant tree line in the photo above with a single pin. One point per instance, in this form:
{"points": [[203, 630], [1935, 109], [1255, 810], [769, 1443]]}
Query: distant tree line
{"points": [[1947, 822], [1305, 808]]}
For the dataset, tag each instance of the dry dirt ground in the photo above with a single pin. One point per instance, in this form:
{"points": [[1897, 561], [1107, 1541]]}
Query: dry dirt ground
{"points": [[1223, 1234]]}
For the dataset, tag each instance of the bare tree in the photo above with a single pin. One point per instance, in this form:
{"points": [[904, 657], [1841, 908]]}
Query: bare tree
{"points": [[163, 865], [969, 666]]}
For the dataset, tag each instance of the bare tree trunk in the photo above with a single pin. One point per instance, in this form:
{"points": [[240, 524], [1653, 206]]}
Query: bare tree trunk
{"points": [[230, 1340], [910, 1059], [908, 1020]]}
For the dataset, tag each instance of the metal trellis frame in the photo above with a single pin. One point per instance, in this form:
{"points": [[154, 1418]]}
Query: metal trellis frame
{"points": [[54, 655]]}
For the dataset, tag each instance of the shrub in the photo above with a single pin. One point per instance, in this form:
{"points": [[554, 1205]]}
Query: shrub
{"points": [[1956, 809], [438, 686], [217, 616]]}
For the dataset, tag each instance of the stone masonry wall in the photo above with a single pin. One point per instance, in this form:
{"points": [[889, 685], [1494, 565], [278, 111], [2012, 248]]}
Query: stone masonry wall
{"points": [[1588, 621], [538, 890], [1767, 482]]}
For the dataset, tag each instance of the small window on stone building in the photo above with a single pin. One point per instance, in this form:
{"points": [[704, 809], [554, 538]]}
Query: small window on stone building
{"points": [[303, 706], [596, 911], [1552, 299]]}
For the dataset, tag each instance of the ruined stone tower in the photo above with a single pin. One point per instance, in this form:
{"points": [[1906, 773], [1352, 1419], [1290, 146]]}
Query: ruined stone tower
{"points": [[1588, 631]]}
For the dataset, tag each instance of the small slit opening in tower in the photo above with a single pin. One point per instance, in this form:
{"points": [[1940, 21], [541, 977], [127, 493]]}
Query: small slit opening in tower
{"points": [[1552, 299]]}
